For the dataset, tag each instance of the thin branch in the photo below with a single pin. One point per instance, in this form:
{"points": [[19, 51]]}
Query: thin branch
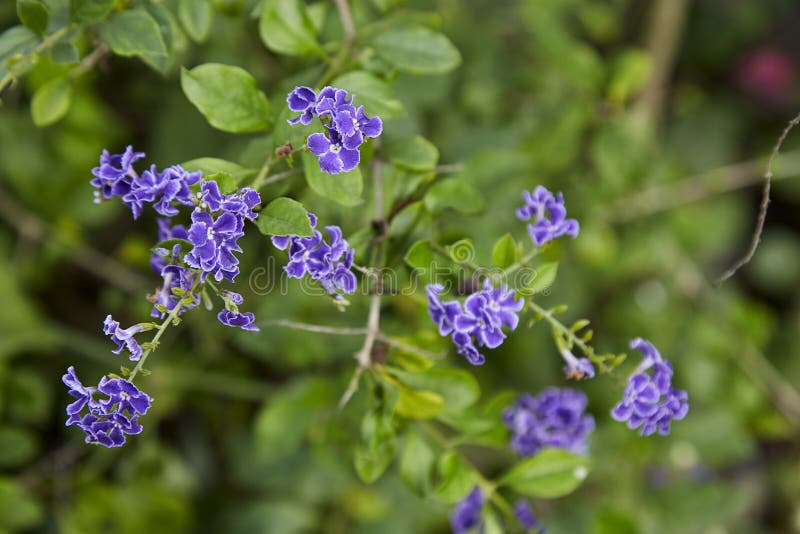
{"points": [[762, 210], [409, 348], [347, 21], [317, 328], [266, 180]]}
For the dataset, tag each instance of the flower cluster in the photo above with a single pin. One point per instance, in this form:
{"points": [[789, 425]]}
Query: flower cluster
{"points": [[107, 420], [467, 514], [481, 318], [346, 125], [554, 418], [328, 263], [650, 402], [549, 216]]}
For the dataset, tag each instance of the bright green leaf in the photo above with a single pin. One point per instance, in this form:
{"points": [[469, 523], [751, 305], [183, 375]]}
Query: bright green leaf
{"points": [[286, 28], [541, 278], [549, 474], [51, 101], [415, 153], [457, 387], [454, 193], [227, 97], [504, 252], [135, 33], [33, 14], [418, 404], [371, 92], [344, 188], [89, 11], [196, 17], [371, 463], [417, 463], [211, 166], [284, 216], [420, 255], [461, 251], [418, 50], [457, 478]]}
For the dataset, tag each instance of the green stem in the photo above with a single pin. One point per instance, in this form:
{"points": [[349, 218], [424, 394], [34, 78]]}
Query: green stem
{"points": [[46, 43], [523, 262]]}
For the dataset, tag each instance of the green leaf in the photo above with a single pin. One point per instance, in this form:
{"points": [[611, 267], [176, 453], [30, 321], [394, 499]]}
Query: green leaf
{"points": [[549, 474], [418, 50], [196, 17], [344, 188], [286, 28], [418, 404], [13, 42], [417, 463], [89, 11], [371, 92], [51, 101], [504, 252], [379, 445], [457, 387], [415, 153], [18, 509], [541, 278], [65, 53], [33, 14], [135, 33], [454, 193], [284, 216], [227, 97], [457, 478], [420, 255], [371, 463], [211, 166], [226, 182]]}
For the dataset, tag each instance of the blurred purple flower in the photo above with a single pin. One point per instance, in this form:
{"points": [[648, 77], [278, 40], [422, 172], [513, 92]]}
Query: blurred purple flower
{"points": [[467, 514], [549, 214]]}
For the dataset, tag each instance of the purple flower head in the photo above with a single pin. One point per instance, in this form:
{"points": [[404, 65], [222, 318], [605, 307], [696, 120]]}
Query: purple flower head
{"points": [[215, 241], [236, 319], [576, 368], [124, 337], [330, 99], [554, 418], [649, 402], [304, 101], [329, 263], [353, 125], [467, 514], [113, 176], [333, 156], [443, 314], [549, 214], [109, 419], [161, 189], [524, 514], [466, 348], [240, 204]]}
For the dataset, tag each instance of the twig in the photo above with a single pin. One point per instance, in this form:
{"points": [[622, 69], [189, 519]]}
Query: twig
{"points": [[46, 43], [318, 328], [762, 210], [347, 21], [262, 181], [409, 348], [90, 60]]}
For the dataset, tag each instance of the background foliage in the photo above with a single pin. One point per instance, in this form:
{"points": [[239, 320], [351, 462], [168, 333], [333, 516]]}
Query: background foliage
{"points": [[655, 152]]}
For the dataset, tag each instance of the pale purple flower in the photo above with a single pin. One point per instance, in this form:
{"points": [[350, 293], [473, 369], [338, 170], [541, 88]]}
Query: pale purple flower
{"points": [[554, 418], [236, 319], [443, 314], [467, 514], [549, 216]]}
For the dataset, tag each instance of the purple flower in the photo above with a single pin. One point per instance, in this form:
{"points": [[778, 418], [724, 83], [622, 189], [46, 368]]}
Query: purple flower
{"points": [[549, 216], [649, 402], [467, 514], [524, 514], [333, 156], [240, 204], [236, 319], [160, 189], [174, 276], [443, 314], [328, 263], [215, 241], [124, 337], [554, 418], [109, 419], [304, 101], [577, 368], [330, 99], [353, 125], [113, 176]]}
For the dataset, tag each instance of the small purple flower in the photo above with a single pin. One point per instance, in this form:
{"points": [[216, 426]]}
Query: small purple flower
{"points": [[524, 514], [304, 101], [549, 214], [160, 189], [215, 241], [443, 314], [649, 402], [333, 156], [466, 348], [576, 368], [236, 319], [124, 337], [467, 514], [124, 395], [113, 176], [353, 125], [554, 418], [330, 99]]}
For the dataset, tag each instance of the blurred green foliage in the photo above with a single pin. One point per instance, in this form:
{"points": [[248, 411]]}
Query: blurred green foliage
{"points": [[244, 436]]}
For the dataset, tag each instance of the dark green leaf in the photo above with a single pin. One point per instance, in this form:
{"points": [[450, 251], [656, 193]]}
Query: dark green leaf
{"points": [[51, 101], [454, 193], [371, 92], [415, 153], [284, 216], [65, 53], [344, 188], [135, 33], [33, 14], [418, 50], [504, 252], [549, 474], [89, 11], [196, 17], [13, 42], [227, 97], [417, 463], [286, 28]]}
